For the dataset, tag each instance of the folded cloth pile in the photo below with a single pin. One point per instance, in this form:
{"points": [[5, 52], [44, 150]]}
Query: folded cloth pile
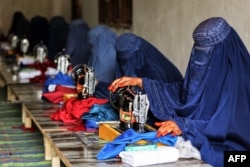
{"points": [[100, 112], [58, 79], [55, 87], [113, 148], [56, 96], [26, 60], [51, 71], [73, 109], [27, 73], [163, 154]]}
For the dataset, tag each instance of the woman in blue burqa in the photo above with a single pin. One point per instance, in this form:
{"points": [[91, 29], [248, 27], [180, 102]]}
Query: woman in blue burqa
{"points": [[135, 56], [211, 106], [77, 45]]}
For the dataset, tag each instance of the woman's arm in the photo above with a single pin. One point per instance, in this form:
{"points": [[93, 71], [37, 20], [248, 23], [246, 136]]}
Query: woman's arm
{"points": [[125, 81]]}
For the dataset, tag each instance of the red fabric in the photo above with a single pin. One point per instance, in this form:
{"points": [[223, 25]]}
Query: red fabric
{"points": [[57, 96], [38, 79], [42, 67], [24, 129], [74, 108]]}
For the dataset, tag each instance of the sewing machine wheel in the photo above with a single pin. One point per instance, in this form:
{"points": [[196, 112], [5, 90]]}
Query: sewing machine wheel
{"points": [[122, 95], [79, 71]]}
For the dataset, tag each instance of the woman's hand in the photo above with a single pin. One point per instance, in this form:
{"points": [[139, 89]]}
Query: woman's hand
{"points": [[167, 127], [125, 81]]}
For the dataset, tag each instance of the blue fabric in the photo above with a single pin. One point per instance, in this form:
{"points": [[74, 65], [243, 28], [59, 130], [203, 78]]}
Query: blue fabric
{"points": [[212, 105], [59, 79], [77, 45], [103, 59], [137, 57], [58, 32], [91, 124], [104, 112], [113, 148], [101, 90]]}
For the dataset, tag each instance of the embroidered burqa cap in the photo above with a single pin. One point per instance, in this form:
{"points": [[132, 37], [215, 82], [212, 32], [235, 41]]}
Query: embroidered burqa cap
{"points": [[212, 105], [211, 32]]}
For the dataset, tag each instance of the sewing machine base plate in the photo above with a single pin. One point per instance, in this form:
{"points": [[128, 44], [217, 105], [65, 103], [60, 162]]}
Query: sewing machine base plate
{"points": [[109, 132]]}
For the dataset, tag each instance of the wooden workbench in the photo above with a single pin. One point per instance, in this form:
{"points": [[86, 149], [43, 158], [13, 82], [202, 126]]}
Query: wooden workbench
{"points": [[75, 152]]}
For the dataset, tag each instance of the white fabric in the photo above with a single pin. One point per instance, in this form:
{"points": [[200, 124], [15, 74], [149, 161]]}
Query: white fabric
{"points": [[51, 71], [29, 73], [5, 46], [26, 60], [24, 80], [163, 154], [186, 149], [52, 87]]}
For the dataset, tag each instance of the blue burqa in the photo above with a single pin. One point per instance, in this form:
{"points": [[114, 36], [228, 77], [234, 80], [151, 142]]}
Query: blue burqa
{"points": [[212, 105], [58, 32], [138, 57], [20, 25], [103, 59], [39, 31], [77, 45]]}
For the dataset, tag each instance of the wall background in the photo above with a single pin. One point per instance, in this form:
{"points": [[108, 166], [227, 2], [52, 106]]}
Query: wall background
{"points": [[167, 24]]}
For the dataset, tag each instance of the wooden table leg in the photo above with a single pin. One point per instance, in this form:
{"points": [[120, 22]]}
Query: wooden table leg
{"points": [[48, 148], [26, 119]]}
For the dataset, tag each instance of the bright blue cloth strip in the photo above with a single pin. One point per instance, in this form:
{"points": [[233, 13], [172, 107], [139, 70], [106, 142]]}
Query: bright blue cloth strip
{"points": [[113, 148], [59, 79]]}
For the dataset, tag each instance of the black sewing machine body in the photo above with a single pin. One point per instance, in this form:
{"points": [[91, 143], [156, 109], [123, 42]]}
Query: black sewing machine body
{"points": [[84, 78], [133, 109]]}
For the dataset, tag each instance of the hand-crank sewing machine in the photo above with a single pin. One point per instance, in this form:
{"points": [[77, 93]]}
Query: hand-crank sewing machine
{"points": [[41, 52], [85, 79], [133, 108], [63, 62], [132, 105]]}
